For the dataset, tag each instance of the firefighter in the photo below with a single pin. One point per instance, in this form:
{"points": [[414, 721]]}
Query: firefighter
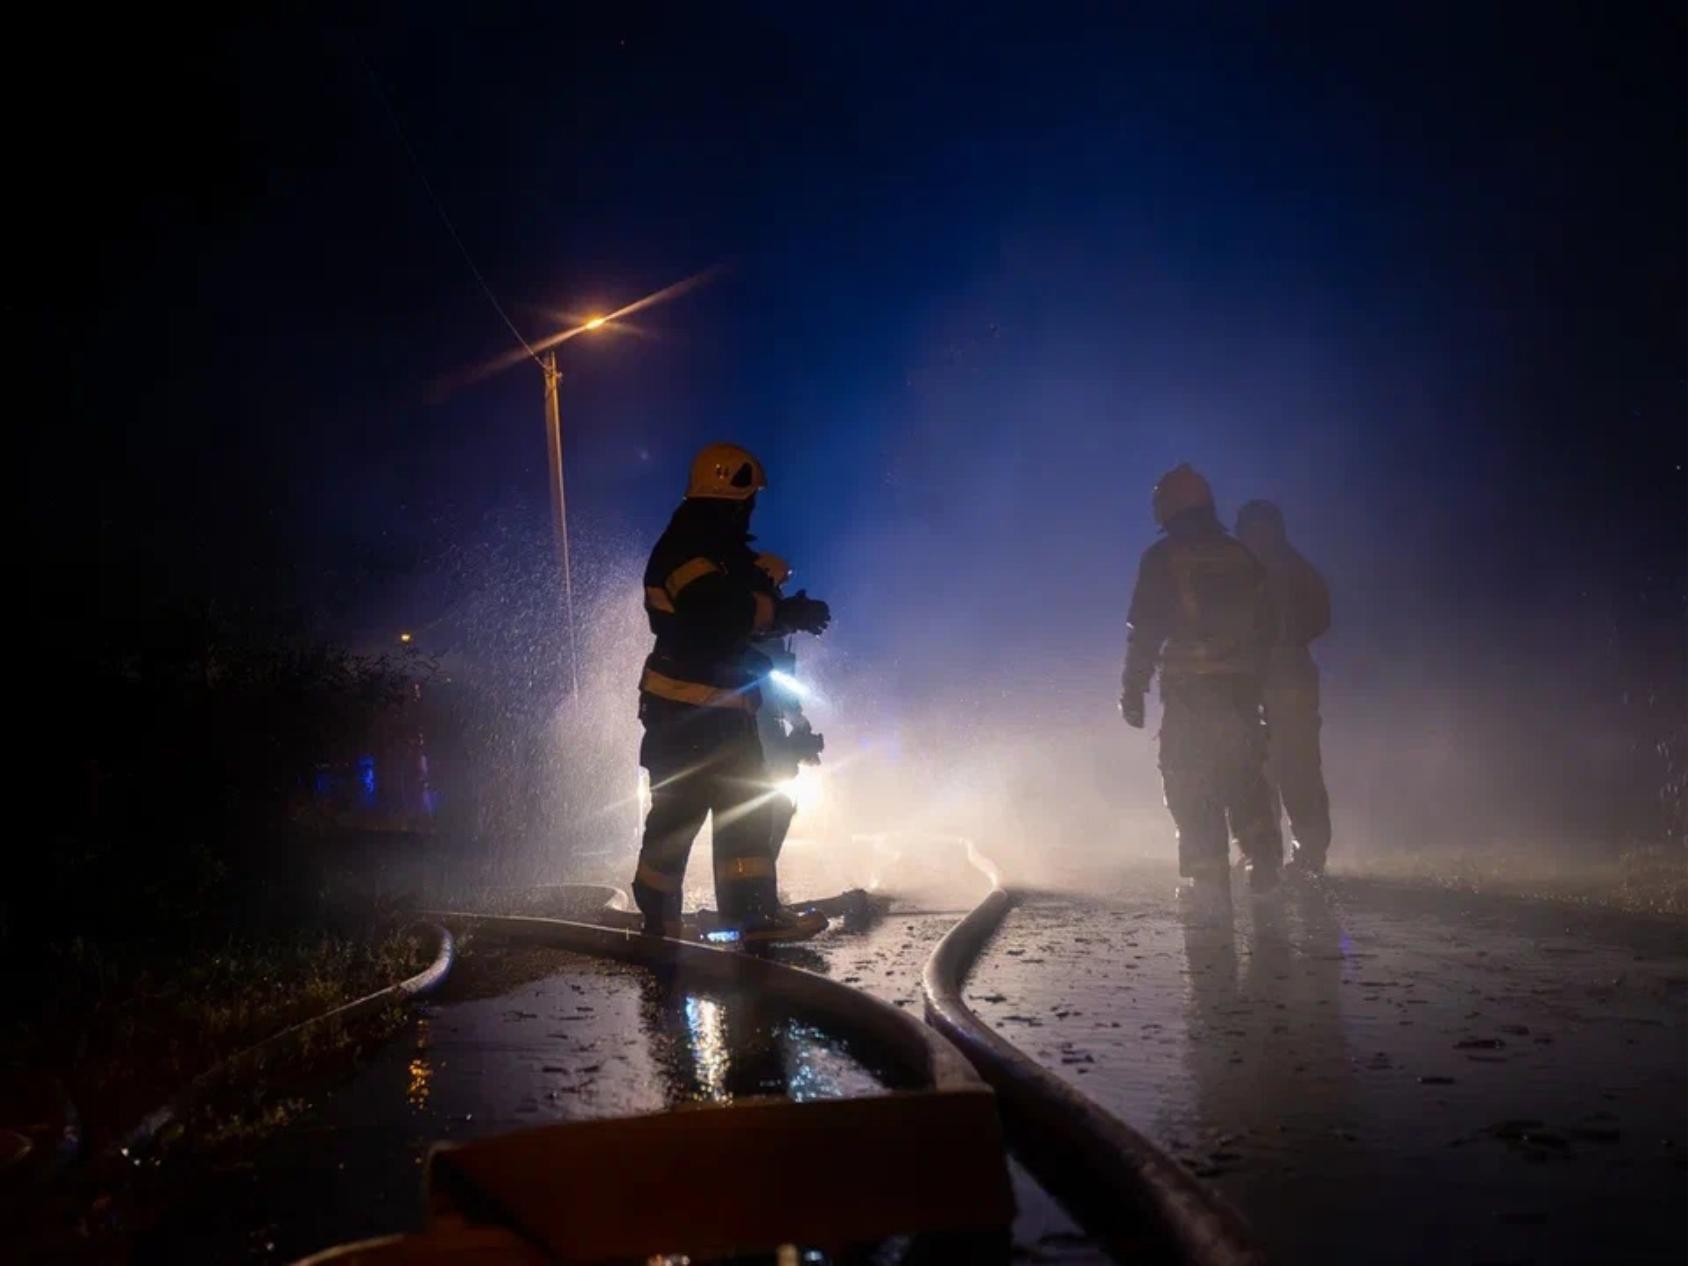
{"points": [[1293, 767], [1202, 614], [788, 740], [707, 601]]}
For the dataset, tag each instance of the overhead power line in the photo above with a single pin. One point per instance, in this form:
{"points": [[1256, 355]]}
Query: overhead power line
{"points": [[439, 208]]}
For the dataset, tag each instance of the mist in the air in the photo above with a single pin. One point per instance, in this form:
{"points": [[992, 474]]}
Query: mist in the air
{"points": [[968, 687], [1503, 683]]}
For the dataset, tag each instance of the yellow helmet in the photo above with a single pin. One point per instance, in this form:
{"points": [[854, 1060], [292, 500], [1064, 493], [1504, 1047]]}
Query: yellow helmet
{"points": [[726, 472], [774, 568]]}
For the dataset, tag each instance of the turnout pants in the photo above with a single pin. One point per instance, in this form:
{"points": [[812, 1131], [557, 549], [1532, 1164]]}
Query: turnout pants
{"points": [[1293, 767], [1212, 760], [702, 762]]}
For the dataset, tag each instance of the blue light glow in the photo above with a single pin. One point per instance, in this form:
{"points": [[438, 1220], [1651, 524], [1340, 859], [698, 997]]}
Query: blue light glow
{"points": [[786, 682]]}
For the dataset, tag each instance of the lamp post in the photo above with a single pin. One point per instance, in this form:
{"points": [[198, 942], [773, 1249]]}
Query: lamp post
{"points": [[543, 352], [559, 503]]}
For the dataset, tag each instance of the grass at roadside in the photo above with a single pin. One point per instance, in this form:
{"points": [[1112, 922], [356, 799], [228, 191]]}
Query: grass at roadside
{"points": [[122, 1033]]}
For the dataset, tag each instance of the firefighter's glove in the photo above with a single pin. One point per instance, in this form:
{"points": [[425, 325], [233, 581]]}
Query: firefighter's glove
{"points": [[806, 746], [802, 614], [1131, 708]]}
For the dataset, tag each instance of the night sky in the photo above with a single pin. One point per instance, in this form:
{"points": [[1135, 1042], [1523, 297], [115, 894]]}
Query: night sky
{"points": [[1416, 273]]}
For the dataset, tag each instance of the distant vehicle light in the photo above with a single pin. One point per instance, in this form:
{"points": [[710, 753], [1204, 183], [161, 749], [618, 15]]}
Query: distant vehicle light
{"points": [[405, 638]]}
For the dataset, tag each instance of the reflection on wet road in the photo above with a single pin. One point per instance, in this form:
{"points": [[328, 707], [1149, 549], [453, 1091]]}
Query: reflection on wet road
{"points": [[523, 1037], [1434, 1078], [1419, 1077], [555, 1037]]}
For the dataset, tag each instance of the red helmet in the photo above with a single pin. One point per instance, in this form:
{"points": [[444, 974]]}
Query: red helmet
{"points": [[1180, 489]]}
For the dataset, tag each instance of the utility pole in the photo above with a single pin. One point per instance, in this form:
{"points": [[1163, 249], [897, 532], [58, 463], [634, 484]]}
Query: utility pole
{"points": [[559, 508]]}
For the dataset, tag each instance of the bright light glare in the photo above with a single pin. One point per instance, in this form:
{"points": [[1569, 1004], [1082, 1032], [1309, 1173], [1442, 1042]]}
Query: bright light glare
{"points": [[804, 791], [708, 1032], [404, 637], [786, 682], [517, 355]]}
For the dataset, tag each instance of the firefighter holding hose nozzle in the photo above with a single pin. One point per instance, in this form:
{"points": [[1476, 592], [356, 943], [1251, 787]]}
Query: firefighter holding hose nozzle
{"points": [[1202, 615], [788, 740], [709, 603]]}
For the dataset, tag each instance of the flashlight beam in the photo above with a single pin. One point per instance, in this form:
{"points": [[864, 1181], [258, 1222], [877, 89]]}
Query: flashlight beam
{"points": [[785, 681]]}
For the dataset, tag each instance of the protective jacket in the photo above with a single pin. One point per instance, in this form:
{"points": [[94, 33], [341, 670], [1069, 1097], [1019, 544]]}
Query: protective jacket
{"points": [[706, 600], [1300, 595], [1302, 600], [1202, 608]]}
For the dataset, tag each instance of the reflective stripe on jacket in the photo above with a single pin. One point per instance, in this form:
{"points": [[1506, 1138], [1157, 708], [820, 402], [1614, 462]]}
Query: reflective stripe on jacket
{"points": [[706, 600]]}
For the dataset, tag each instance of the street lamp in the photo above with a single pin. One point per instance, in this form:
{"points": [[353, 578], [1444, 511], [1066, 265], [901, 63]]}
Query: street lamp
{"points": [[543, 352], [559, 503]]}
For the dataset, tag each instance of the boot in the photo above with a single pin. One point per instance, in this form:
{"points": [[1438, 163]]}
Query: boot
{"points": [[1206, 893], [1305, 867], [781, 925], [661, 910]]}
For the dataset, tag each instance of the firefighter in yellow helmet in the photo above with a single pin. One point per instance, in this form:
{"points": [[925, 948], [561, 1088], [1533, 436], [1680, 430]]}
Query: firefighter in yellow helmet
{"points": [[698, 697], [1202, 615]]}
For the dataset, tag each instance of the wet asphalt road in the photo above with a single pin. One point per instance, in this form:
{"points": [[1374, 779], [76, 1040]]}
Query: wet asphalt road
{"points": [[1399, 1077], [1378, 1073], [521, 1037]]}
